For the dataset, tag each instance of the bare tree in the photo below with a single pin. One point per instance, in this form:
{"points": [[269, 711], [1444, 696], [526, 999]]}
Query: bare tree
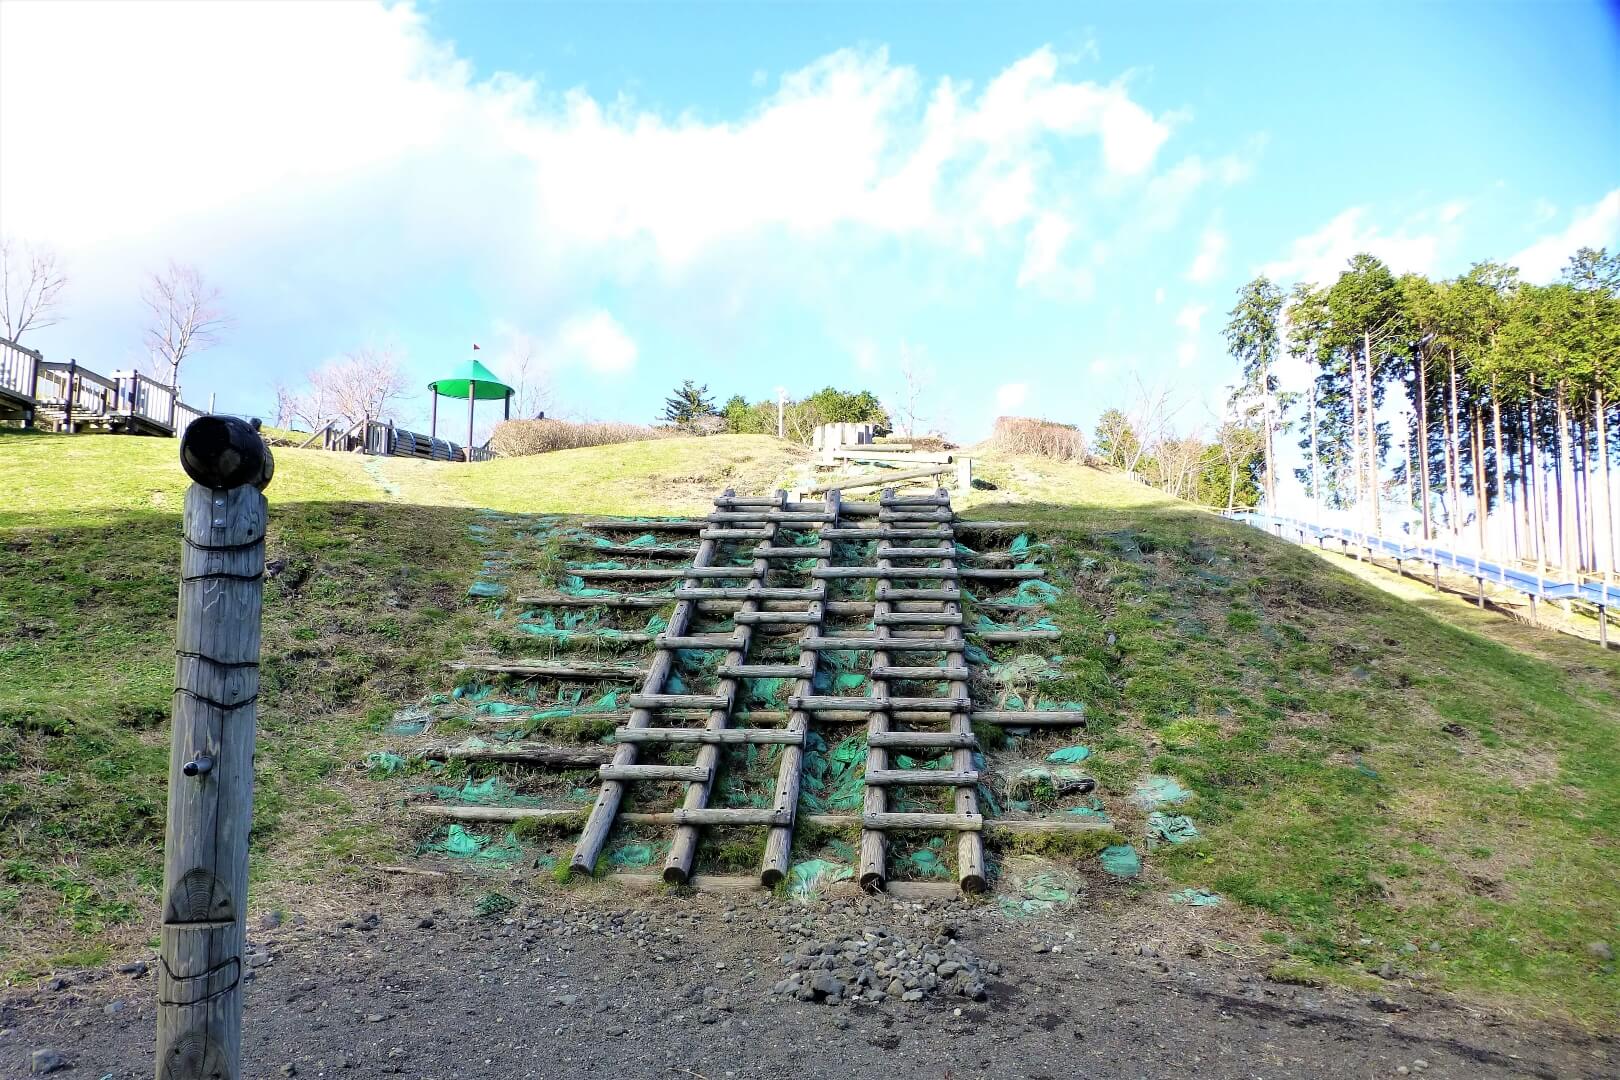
{"points": [[530, 382], [365, 384], [914, 379], [186, 317], [31, 285], [1239, 439], [1150, 416]]}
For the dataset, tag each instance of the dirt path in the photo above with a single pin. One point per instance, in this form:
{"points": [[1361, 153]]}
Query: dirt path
{"points": [[616, 985]]}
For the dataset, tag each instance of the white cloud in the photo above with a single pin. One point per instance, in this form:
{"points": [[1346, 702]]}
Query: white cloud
{"points": [[1211, 251], [1043, 248], [1320, 256], [1158, 295], [1593, 226], [1186, 354], [592, 340], [866, 355], [1010, 397], [1189, 317], [1098, 367]]}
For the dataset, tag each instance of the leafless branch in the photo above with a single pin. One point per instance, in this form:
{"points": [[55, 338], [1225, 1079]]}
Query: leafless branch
{"points": [[186, 317], [31, 284]]}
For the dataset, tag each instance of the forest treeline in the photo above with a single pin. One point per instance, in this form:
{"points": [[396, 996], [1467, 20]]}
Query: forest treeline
{"points": [[1478, 409]]}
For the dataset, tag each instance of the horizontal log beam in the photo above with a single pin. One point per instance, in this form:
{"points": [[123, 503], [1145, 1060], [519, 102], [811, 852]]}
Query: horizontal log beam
{"points": [[540, 669], [693, 774], [922, 777]]}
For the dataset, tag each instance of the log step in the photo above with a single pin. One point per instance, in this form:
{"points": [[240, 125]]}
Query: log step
{"points": [[701, 641], [777, 618], [941, 515], [918, 777], [749, 592], [868, 533], [904, 502], [678, 701], [739, 816], [695, 774], [735, 534], [765, 671], [1045, 718], [892, 671], [945, 551], [818, 702], [958, 822], [933, 572], [920, 618], [784, 517], [709, 736], [538, 669], [721, 572], [921, 740], [894, 595], [819, 551], [883, 644]]}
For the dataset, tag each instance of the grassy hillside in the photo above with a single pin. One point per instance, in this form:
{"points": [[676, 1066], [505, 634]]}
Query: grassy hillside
{"points": [[1384, 782]]}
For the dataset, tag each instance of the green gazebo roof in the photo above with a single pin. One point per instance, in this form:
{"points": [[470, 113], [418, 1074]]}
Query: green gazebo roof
{"points": [[474, 376]]}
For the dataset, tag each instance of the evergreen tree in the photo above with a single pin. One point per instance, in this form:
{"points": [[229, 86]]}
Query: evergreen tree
{"points": [[689, 402], [1252, 337]]}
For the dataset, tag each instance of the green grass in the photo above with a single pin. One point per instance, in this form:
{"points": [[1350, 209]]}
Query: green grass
{"points": [[1304, 700]]}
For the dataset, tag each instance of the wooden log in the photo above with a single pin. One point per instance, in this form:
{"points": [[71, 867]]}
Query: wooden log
{"points": [[205, 856], [689, 773], [892, 644], [734, 534], [892, 821], [699, 642], [971, 873], [750, 592], [636, 573], [926, 618], [1003, 573], [781, 517], [893, 573], [923, 740], [906, 517], [890, 671], [944, 552], [876, 479], [885, 533], [631, 550], [886, 593], [724, 817], [551, 757], [678, 701], [726, 736], [790, 552], [764, 671], [778, 618], [921, 777], [716, 573], [903, 502], [537, 669], [883, 453], [1046, 718], [872, 868]]}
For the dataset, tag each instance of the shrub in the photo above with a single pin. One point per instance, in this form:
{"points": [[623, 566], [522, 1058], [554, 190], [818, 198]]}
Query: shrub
{"points": [[516, 438], [1041, 438]]}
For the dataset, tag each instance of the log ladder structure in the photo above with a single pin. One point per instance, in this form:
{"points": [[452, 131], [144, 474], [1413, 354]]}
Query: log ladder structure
{"points": [[918, 700]]}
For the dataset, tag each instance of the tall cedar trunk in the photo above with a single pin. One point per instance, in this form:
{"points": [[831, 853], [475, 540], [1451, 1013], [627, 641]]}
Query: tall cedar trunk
{"points": [[1372, 439], [1525, 480], [1355, 433], [1504, 496], [1482, 495], [1271, 455], [1568, 540], [1583, 496], [1455, 454], [1538, 485], [1605, 486], [1316, 485], [1423, 435]]}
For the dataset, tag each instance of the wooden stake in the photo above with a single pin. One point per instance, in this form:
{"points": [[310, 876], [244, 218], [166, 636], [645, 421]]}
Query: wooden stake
{"points": [[205, 856]]}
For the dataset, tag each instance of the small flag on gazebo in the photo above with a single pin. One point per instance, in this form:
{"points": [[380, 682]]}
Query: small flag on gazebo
{"points": [[475, 346]]}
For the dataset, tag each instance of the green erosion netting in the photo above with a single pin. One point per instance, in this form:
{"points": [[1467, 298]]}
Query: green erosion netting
{"points": [[491, 791], [411, 720], [575, 586], [1152, 792], [384, 762], [1038, 893], [1169, 829], [636, 854], [1091, 809], [605, 564], [1020, 622], [927, 861], [562, 626], [1069, 755], [1195, 898], [834, 778], [486, 590], [748, 776], [688, 665], [1120, 860], [839, 673], [460, 844], [808, 878]]}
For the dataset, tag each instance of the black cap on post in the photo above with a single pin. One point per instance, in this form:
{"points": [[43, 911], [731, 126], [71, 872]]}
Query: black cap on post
{"points": [[226, 452]]}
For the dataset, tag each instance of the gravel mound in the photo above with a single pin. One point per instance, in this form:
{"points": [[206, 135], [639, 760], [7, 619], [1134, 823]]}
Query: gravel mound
{"points": [[877, 965]]}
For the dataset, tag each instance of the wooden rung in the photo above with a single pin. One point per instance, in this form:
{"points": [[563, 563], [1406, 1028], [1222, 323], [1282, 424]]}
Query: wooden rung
{"points": [[890, 671], [641, 573], [735, 534], [710, 736], [782, 516], [678, 701], [930, 704], [866, 533], [553, 757], [945, 595], [627, 600], [717, 572], [923, 739], [695, 774], [920, 618], [577, 670], [819, 702], [650, 525], [912, 501], [898, 516], [819, 551], [764, 671], [1008, 573], [767, 502], [744, 618], [633, 550], [1051, 718], [959, 822], [750, 592], [700, 641], [939, 572], [917, 777], [722, 816], [622, 637], [993, 636], [883, 644]]}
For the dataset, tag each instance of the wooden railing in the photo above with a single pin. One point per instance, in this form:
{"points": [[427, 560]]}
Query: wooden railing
{"points": [[19, 368], [382, 438], [81, 394]]}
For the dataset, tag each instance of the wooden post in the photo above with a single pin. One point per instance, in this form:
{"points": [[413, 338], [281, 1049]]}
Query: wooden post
{"points": [[433, 422], [472, 398], [964, 475], [67, 408], [205, 854]]}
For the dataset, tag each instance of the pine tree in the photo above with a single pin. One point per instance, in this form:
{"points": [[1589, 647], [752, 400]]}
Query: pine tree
{"points": [[689, 402]]}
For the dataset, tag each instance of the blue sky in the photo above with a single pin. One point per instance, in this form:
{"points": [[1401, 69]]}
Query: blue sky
{"points": [[1032, 205]]}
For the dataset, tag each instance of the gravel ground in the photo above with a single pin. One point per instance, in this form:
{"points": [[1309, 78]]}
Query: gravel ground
{"points": [[621, 985]]}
